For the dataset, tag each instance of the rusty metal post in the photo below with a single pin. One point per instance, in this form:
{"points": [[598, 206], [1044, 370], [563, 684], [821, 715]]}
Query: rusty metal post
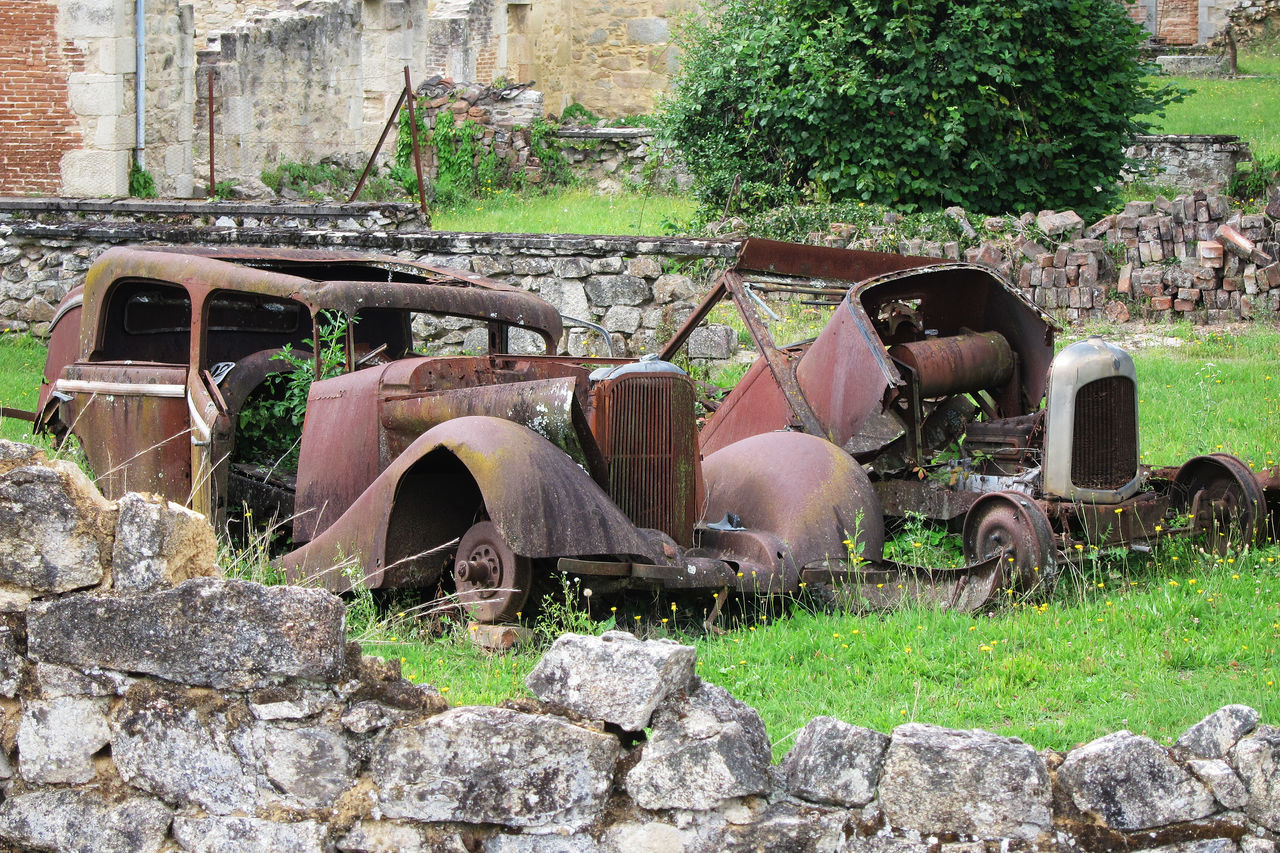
{"points": [[417, 152], [212, 183], [368, 167]]}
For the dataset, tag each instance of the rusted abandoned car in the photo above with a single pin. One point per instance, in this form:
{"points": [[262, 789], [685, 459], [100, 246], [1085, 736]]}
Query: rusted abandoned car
{"points": [[482, 473], [940, 378]]}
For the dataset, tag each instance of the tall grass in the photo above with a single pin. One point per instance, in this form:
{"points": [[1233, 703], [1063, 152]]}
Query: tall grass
{"points": [[21, 366]]}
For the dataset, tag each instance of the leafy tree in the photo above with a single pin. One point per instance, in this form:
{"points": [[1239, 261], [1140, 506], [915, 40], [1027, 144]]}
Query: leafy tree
{"points": [[990, 104]]}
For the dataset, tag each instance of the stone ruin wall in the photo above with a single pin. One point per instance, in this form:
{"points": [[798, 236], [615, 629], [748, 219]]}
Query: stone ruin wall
{"points": [[614, 58], [147, 704], [302, 85], [1193, 258], [72, 99]]}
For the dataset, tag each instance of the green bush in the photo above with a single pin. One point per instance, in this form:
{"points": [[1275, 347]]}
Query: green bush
{"points": [[991, 105]]}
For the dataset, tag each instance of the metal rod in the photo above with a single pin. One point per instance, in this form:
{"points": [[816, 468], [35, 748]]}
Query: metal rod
{"points": [[140, 84], [368, 167], [417, 152], [212, 183]]}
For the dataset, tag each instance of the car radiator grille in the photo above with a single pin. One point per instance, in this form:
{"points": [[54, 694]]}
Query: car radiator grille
{"points": [[1104, 449], [651, 443]]}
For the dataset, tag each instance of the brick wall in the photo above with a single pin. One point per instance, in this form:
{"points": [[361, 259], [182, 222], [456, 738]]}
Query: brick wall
{"points": [[36, 123], [1179, 21]]}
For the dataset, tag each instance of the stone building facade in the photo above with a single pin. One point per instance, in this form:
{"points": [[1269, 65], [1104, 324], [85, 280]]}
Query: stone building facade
{"points": [[287, 80]]}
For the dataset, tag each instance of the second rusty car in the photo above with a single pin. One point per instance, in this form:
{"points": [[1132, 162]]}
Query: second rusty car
{"points": [[940, 378]]}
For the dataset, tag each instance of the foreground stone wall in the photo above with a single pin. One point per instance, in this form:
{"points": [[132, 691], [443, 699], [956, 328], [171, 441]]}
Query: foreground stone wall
{"points": [[147, 704]]}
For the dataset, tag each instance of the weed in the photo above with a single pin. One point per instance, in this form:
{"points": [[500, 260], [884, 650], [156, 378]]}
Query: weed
{"points": [[568, 610], [141, 183], [269, 430], [919, 542]]}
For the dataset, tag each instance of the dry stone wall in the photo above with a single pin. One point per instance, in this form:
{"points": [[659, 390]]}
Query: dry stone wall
{"points": [[1193, 257], [148, 704]]}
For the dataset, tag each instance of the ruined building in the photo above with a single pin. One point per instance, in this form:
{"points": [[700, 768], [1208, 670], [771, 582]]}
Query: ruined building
{"points": [[290, 80]]}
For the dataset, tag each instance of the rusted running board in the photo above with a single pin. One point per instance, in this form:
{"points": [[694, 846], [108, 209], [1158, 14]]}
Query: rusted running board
{"points": [[884, 585], [689, 573]]}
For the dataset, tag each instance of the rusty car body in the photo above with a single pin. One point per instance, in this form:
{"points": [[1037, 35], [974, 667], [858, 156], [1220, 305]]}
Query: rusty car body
{"points": [[940, 378], [480, 474]]}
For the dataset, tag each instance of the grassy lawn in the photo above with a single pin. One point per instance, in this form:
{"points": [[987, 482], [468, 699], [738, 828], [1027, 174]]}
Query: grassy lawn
{"points": [[1248, 107], [1148, 643], [566, 211], [21, 365]]}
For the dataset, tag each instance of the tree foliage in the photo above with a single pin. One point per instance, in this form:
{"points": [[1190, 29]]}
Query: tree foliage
{"points": [[990, 104]]}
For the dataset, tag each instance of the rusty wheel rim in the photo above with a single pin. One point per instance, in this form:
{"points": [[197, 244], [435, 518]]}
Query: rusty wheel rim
{"points": [[1224, 501], [492, 580], [1013, 527]]}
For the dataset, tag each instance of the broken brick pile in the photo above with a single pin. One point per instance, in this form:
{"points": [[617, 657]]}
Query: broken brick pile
{"points": [[1194, 257]]}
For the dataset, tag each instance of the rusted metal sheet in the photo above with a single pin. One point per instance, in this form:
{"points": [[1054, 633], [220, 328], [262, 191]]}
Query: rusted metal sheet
{"points": [[820, 262], [463, 470], [933, 498], [757, 405], [135, 425], [810, 495], [845, 373], [780, 366], [969, 361]]}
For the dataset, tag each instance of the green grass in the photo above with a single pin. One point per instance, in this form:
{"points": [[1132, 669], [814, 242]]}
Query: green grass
{"points": [[1248, 106], [566, 211], [21, 366], [1150, 646], [1217, 392]]}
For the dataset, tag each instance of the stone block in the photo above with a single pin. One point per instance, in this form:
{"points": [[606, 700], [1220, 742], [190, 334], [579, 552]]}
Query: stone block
{"points": [[607, 290], [159, 544], [705, 747], [57, 739], [1053, 224], [713, 341], [1159, 791], [835, 762], [1257, 760], [71, 819], [1221, 780], [95, 94], [220, 834], [476, 765], [622, 318], [92, 174], [206, 632], [938, 780], [1215, 735], [55, 529], [644, 266], [614, 677], [570, 267]]}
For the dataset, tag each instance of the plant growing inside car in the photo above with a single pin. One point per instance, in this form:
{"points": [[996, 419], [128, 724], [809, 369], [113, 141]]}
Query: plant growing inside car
{"points": [[270, 428]]}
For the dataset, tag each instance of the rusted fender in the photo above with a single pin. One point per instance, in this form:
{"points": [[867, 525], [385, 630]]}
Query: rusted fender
{"points": [[803, 490], [540, 500]]}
